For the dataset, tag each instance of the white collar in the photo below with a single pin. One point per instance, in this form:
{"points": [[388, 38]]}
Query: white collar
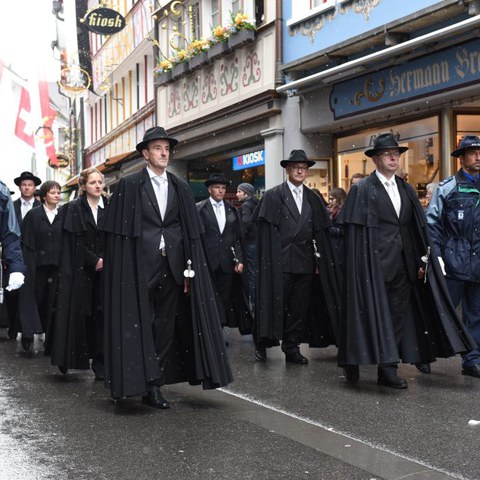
{"points": [[384, 179], [293, 187], [215, 203], [153, 175]]}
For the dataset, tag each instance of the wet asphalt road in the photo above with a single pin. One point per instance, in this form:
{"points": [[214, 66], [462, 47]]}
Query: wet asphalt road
{"points": [[276, 421]]}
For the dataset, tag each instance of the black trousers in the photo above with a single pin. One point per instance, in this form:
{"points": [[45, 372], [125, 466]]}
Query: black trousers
{"points": [[164, 294], [399, 293], [45, 286], [296, 295], [223, 283]]}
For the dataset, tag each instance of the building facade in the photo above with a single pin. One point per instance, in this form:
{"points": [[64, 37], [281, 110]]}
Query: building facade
{"points": [[357, 68]]}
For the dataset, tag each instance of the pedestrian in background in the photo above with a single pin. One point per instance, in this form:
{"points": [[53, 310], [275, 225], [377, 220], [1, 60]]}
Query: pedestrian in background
{"points": [[453, 217], [336, 199], [388, 313], [223, 243], [41, 233], [293, 245], [75, 336], [246, 196], [161, 321], [356, 177]]}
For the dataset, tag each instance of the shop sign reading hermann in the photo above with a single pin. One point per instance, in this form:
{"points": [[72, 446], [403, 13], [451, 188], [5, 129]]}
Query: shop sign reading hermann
{"points": [[104, 21], [442, 71]]}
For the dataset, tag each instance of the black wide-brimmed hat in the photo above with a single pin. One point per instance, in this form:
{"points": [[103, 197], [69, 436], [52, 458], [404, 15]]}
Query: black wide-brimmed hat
{"points": [[383, 142], [155, 133], [217, 178], [27, 176], [466, 143], [297, 156]]}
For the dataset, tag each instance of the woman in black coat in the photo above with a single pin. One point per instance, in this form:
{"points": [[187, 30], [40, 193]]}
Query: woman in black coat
{"points": [[41, 232], [76, 334]]}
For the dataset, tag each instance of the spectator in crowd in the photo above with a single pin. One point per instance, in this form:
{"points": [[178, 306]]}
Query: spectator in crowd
{"points": [[246, 196]]}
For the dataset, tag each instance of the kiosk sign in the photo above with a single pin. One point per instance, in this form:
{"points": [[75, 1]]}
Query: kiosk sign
{"points": [[249, 160], [104, 21]]}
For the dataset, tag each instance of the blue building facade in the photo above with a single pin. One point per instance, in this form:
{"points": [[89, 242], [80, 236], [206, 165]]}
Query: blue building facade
{"points": [[357, 68]]}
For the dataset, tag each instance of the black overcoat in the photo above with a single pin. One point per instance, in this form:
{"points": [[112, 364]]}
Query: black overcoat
{"points": [[366, 333], [71, 339], [41, 247], [130, 358], [268, 321]]}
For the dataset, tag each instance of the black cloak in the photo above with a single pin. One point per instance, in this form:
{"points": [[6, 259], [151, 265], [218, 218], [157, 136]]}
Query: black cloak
{"points": [[366, 335], [70, 340], [199, 354], [323, 317]]}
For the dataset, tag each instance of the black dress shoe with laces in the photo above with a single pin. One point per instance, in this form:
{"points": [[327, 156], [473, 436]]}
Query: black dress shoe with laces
{"points": [[296, 357], [472, 370], [352, 373], [392, 381], [154, 399], [260, 354], [423, 367]]}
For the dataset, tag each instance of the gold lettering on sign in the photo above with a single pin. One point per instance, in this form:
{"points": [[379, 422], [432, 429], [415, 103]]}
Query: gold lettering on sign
{"points": [[419, 78], [468, 62]]}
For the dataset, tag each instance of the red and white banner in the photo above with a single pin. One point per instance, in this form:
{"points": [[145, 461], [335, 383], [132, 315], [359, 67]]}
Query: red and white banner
{"points": [[29, 100]]}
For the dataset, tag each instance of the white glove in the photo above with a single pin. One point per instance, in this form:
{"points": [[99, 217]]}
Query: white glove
{"points": [[15, 281], [442, 265]]}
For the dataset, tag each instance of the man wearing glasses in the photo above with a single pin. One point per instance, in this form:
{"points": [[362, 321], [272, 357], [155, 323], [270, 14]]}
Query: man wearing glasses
{"points": [[292, 245], [395, 305]]}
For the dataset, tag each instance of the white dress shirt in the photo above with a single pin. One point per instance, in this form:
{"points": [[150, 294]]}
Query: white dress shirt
{"points": [[297, 193], [25, 206], [219, 209], [392, 189]]}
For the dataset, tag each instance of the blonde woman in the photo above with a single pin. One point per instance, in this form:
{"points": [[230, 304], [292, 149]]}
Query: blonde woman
{"points": [[76, 336]]}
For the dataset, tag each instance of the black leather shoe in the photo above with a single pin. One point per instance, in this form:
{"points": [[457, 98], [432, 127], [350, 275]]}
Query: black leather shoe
{"points": [[472, 371], [63, 369], [296, 357], [12, 334], [260, 354], [352, 373], [27, 343], [423, 367], [154, 399], [392, 381]]}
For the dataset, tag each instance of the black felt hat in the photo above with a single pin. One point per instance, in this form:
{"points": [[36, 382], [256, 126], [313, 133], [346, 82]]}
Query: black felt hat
{"points": [[155, 133], [384, 141], [217, 178], [27, 176], [297, 156], [466, 143]]}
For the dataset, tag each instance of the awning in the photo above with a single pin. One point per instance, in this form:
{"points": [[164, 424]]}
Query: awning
{"points": [[105, 166], [109, 162]]}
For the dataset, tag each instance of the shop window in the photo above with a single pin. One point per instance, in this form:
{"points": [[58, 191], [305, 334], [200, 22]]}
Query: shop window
{"points": [[467, 124], [419, 166], [317, 178]]}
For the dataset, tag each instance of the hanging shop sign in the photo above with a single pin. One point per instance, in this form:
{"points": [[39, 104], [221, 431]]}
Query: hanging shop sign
{"points": [[249, 160], [104, 21], [449, 69], [62, 161]]}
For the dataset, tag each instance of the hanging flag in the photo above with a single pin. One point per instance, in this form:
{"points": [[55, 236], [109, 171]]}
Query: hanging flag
{"points": [[48, 116], [24, 125]]}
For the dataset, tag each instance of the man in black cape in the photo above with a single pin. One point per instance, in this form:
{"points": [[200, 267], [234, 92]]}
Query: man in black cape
{"points": [[390, 310], [293, 246], [161, 321]]}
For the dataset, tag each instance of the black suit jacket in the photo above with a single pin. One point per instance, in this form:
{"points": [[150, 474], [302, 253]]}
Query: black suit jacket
{"points": [[17, 205], [41, 237], [296, 234], [395, 233], [218, 245], [153, 227]]}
